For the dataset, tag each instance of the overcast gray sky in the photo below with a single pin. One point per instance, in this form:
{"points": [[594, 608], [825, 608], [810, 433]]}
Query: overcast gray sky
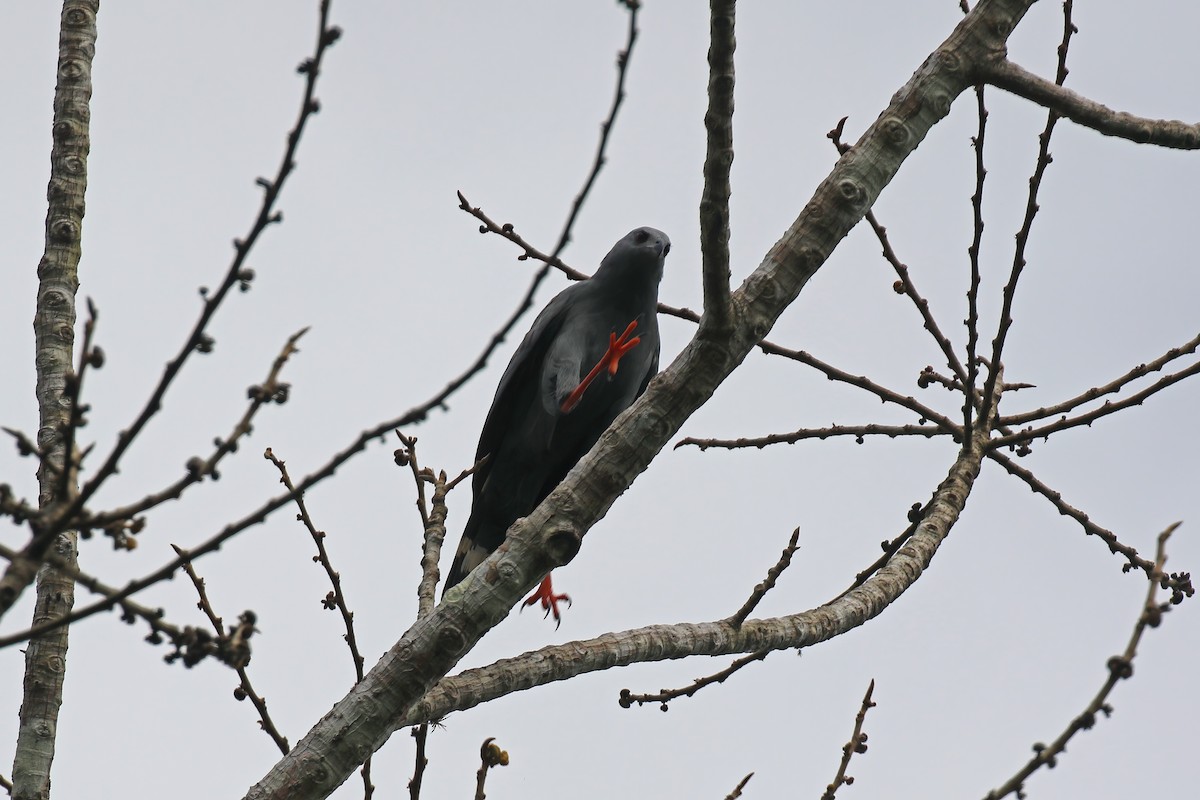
{"points": [[999, 645]]}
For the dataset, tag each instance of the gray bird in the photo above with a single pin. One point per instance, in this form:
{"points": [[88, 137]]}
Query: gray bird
{"points": [[579, 366]]}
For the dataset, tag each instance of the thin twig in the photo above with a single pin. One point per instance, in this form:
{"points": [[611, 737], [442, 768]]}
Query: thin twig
{"points": [[737, 790], [862, 382], [857, 744], [237, 274], [420, 733], [972, 321], [245, 690], [606, 127], [915, 514], [66, 516], [271, 390], [407, 454], [335, 598], [1119, 667], [760, 591], [859, 432], [627, 698], [191, 646], [73, 394], [905, 285], [1031, 209], [1180, 583], [491, 756], [1111, 387], [1088, 417]]}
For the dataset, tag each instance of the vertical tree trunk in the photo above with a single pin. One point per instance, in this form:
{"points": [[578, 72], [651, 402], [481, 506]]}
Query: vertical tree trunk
{"points": [[54, 328]]}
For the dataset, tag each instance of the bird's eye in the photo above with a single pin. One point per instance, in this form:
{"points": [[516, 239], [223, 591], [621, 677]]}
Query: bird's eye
{"points": [[642, 237], [666, 249]]}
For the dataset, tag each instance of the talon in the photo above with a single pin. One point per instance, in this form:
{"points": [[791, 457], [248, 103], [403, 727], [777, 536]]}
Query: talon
{"points": [[618, 346], [549, 600]]}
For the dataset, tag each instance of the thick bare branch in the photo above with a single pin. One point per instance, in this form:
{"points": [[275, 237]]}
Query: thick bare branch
{"points": [[714, 200], [54, 324], [1010, 77], [662, 642]]}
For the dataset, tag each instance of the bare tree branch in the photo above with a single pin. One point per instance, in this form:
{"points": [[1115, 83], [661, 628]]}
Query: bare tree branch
{"points": [[1031, 209], [1010, 77], [271, 390], [972, 321], [905, 283], [662, 642], [857, 744], [58, 412], [1119, 668], [859, 432], [237, 274], [714, 201], [760, 591], [245, 689], [626, 699], [737, 790], [1109, 388], [491, 756], [1179, 583]]}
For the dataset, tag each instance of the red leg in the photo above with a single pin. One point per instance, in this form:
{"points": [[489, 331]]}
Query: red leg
{"points": [[549, 600], [617, 347]]}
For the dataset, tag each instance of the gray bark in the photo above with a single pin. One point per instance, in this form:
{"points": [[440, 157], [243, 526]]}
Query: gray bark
{"points": [[54, 326]]}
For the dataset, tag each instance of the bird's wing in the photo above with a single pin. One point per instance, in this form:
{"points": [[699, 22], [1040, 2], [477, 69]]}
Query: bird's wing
{"points": [[517, 388], [651, 369]]}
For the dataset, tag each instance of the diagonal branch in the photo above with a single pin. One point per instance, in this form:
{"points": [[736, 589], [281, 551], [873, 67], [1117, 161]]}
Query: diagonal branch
{"points": [[1109, 388], [663, 642], [245, 690], [1120, 667], [1088, 417], [237, 274], [857, 744], [760, 591], [1180, 583], [272, 390], [905, 285], [1010, 77]]}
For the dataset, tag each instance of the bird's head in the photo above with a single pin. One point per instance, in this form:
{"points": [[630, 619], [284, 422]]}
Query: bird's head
{"points": [[637, 256]]}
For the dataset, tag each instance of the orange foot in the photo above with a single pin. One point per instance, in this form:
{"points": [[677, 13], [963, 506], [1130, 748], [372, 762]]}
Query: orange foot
{"points": [[549, 600], [618, 346]]}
